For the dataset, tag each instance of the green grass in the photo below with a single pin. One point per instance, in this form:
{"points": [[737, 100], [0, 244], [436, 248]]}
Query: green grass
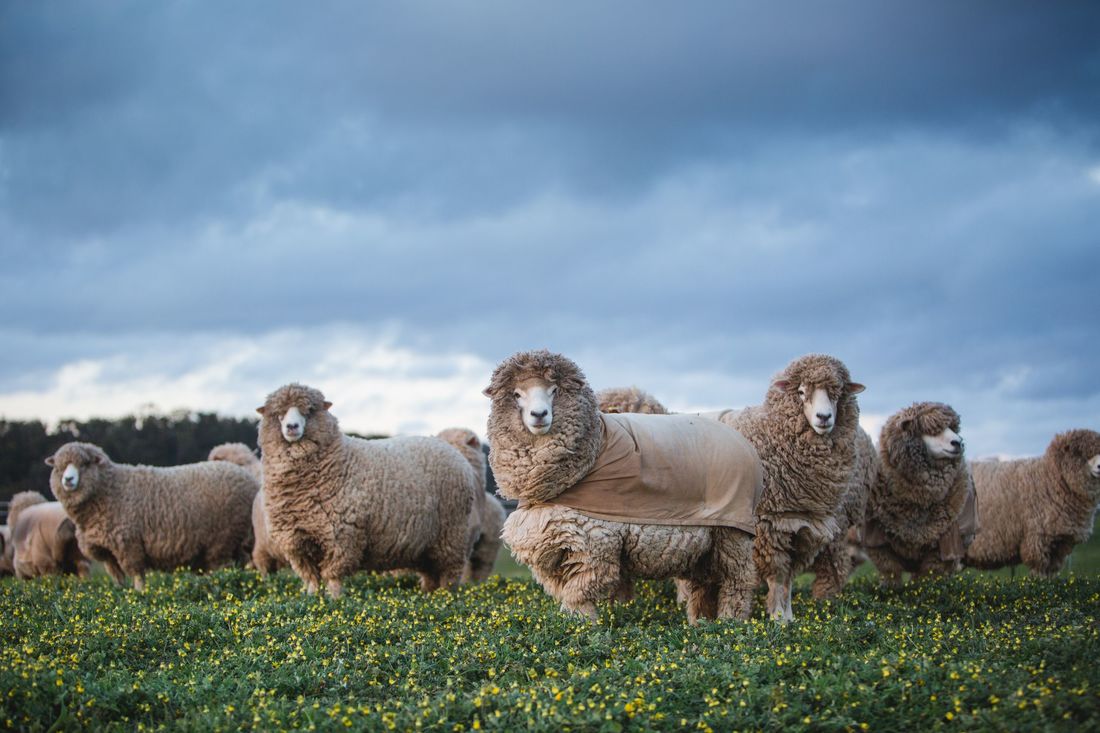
{"points": [[229, 650]]}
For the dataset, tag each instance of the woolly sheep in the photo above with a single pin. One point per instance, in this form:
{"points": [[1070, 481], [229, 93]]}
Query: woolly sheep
{"points": [[921, 516], [337, 504], [265, 556], [629, 400], [805, 435], [139, 518], [487, 517], [43, 538], [546, 434], [1035, 510], [6, 551]]}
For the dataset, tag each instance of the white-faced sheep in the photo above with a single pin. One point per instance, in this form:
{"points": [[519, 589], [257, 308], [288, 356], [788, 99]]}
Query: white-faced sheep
{"points": [[608, 498], [265, 556], [805, 435], [337, 504], [139, 518], [834, 563], [922, 513], [618, 400], [487, 517], [43, 538], [1036, 509]]}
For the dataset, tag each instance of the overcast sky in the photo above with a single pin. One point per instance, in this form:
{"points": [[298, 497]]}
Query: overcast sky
{"points": [[202, 201]]}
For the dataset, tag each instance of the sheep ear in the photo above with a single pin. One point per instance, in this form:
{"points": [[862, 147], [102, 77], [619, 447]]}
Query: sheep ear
{"points": [[473, 442], [327, 404], [906, 423], [261, 409], [49, 461], [99, 458], [782, 384], [855, 387], [488, 391]]}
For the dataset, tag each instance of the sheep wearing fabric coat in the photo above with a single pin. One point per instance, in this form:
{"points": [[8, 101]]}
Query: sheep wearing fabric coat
{"points": [[1035, 510], [338, 504], [922, 514], [546, 434], [487, 517], [139, 518], [43, 538], [805, 434]]}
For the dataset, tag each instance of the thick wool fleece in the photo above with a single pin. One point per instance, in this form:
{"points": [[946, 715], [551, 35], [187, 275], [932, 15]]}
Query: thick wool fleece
{"points": [[918, 499], [629, 400], [580, 560], [240, 454], [43, 538], [834, 563], [805, 474], [487, 517], [337, 504], [266, 557], [6, 551], [138, 518], [1035, 510]]}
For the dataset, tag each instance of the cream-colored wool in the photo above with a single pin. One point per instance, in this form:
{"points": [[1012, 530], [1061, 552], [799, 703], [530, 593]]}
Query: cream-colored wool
{"points": [[618, 400], [43, 538], [266, 557], [7, 550], [1035, 510], [836, 560], [337, 504], [139, 518], [487, 517], [920, 500], [806, 475], [240, 454], [578, 559]]}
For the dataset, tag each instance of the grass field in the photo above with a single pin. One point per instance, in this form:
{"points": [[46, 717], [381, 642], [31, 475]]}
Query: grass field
{"points": [[229, 650]]}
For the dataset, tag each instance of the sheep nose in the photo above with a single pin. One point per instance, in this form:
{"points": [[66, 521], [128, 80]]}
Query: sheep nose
{"points": [[956, 443], [824, 416], [539, 415], [292, 426]]}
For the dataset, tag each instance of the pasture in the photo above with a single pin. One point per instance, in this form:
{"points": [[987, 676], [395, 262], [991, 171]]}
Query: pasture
{"points": [[231, 651]]}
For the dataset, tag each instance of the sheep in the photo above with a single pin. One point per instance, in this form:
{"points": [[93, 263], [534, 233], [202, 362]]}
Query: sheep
{"points": [[1035, 510], [266, 558], [837, 559], [139, 518], [487, 517], [629, 400], [608, 498], [337, 504], [7, 551], [805, 435], [43, 538], [240, 454], [922, 512]]}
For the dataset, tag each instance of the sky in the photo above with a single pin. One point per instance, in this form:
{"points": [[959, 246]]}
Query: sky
{"points": [[200, 202]]}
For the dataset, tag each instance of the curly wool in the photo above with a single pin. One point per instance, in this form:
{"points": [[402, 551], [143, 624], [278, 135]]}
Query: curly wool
{"points": [[834, 563], [240, 454], [487, 517], [138, 518], [629, 400], [1035, 510], [581, 560], [918, 497], [338, 504], [537, 468], [266, 556], [43, 538]]}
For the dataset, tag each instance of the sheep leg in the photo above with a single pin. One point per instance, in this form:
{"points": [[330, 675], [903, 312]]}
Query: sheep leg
{"points": [[733, 564], [334, 587], [624, 593], [701, 600], [771, 553], [311, 577], [133, 564], [1035, 552], [589, 580], [888, 565], [831, 568]]}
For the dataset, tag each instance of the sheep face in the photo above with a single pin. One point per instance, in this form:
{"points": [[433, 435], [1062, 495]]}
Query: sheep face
{"points": [[75, 470], [1077, 455], [296, 412], [822, 388], [946, 444], [1094, 466], [535, 401]]}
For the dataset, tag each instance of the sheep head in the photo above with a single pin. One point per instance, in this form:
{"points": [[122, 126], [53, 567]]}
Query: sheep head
{"points": [[237, 453], [819, 387], [77, 468], [544, 425], [1076, 453], [296, 415], [923, 433]]}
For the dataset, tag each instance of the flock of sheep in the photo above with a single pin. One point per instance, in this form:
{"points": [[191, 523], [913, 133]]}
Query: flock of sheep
{"points": [[611, 488]]}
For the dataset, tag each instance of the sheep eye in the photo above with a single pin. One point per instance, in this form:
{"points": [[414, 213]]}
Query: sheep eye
{"points": [[516, 395]]}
